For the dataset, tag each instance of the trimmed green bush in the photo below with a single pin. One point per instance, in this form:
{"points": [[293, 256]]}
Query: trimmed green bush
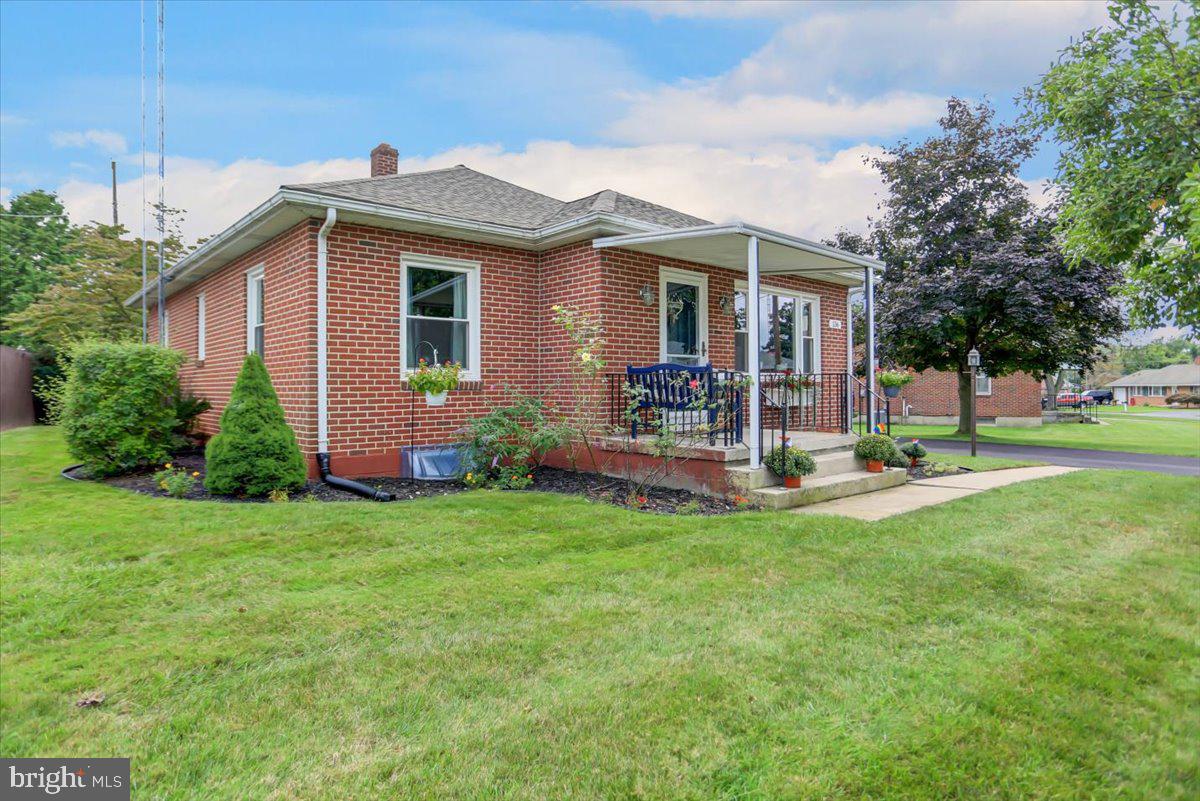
{"points": [[255, 452], [118, 411], [914, 450], [875, 448]]}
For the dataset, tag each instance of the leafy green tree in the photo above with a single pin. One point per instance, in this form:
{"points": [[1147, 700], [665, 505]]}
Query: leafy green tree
{"points": [[972, 265], [36, 240], [1123, 104], [255, 451]]}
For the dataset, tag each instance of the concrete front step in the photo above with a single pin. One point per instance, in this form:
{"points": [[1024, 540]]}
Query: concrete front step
{"points": [[840, 485], [829, 463]]}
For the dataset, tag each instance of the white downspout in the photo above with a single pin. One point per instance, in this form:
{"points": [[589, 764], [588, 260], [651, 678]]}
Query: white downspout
{"points": [[323, 331], [752, 352]]}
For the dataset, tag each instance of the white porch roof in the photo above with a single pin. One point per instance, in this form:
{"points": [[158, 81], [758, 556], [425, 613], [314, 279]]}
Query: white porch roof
{"points": [[724, 245]]}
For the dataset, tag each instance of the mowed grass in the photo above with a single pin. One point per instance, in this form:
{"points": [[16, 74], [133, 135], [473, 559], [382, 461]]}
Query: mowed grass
{"points": [[1131, 433], [1036, 641]]}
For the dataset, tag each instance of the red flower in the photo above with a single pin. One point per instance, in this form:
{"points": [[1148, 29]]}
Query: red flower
{"points": [[641, 499], [693, 383]]}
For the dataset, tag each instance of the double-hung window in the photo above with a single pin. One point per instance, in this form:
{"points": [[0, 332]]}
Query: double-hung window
{"points": [[201, 328], [440, 302], [787, 325], [983, 383], [255, 317]]}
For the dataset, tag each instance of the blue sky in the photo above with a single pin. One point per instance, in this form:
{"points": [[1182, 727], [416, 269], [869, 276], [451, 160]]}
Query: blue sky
{"points": [[761, 111]]}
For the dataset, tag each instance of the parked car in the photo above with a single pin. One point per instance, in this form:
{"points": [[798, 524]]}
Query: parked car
{"points": [[1070, 399], [1098, 396]]}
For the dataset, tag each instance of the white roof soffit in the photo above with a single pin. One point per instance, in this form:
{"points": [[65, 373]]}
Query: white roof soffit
{"points": [[287, 208], [725, 246]]}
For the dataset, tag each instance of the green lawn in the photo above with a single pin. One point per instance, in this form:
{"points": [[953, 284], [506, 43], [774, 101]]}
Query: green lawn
{"points": [[1034, 642], [1121, 433]]}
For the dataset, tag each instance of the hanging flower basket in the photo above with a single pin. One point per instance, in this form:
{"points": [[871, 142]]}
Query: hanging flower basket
{"points": [[435, 381]]}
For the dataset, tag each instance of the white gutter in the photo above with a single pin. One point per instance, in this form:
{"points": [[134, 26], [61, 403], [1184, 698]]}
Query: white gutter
{"points": [[744, 229], [323, 331]]}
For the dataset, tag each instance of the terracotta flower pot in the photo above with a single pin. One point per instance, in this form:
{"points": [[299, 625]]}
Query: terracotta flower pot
{"points": [[792, 482], [912, 462], [875, 466]]}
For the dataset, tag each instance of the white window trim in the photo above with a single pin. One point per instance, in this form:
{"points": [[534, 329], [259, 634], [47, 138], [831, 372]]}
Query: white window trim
{"points": [[980, 374], [252, 275], [474, 308], [201, 328], [767, 289], [166, 328], [700, 280]]}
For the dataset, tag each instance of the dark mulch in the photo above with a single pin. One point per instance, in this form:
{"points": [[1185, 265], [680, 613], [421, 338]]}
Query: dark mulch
{"points": [[618, 492], [922, 471]]}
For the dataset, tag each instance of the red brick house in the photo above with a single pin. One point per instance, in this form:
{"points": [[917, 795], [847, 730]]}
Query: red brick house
{"points": [[1013, 400], [342, 286]]}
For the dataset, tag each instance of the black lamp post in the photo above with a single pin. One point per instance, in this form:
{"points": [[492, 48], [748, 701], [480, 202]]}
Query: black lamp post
{"points": [[973, 362]]}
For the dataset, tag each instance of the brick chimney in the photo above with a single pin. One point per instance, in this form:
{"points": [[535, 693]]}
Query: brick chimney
{"points": [[384, 160]]}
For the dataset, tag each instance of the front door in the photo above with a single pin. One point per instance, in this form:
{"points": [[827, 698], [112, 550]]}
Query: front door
{"points": [[683, 317]]}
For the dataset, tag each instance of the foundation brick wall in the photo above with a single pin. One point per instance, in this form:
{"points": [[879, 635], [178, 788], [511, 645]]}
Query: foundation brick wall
{"points": [[934, 393], [369, 405]]}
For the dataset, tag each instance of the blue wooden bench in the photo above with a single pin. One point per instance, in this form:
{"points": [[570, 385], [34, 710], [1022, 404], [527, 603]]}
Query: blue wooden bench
{"points": [[670, 387]]}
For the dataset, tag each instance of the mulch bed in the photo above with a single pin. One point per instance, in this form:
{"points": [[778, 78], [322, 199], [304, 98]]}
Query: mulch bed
{"points": [[603, 489]]}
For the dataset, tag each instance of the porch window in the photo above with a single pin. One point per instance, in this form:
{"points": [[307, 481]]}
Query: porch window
{"points": [[255, 312], [440, 298], [787, 332]]}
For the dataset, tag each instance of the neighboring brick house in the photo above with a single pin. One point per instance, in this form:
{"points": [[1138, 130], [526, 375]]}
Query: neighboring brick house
{"points": [[1011, 400], [470, 266], [1153, 387]]}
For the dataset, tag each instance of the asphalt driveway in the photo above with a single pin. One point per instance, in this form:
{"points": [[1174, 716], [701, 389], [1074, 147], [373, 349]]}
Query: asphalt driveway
{"points": [[1074, 457]]}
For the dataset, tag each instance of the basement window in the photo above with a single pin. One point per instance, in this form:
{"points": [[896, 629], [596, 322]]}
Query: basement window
{"points": [[440, 299]]}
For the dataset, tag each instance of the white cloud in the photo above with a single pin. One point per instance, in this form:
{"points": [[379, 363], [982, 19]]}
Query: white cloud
{"points": [[13, 120], [788, 187], [107, 141], [5, 195], [702, 115]]}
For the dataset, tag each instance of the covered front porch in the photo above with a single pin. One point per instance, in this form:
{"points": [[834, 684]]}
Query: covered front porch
{"points": [[788, 371]]}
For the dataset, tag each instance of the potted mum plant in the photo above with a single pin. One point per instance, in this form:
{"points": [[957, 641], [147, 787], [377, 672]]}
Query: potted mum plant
{"points": [[790, 464], [875, 450], [893, 380], [435, 381], [915, 452]]}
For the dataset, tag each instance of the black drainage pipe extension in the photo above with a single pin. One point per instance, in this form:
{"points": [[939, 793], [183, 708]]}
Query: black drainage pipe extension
{"points": [[346, 484]]}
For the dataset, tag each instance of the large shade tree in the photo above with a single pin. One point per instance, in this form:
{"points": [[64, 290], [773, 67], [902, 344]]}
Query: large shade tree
{"points": [[1122, 103], [972, 264]]}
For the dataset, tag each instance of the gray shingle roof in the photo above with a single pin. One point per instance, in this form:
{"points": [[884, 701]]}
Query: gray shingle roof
{"points": [[469, 195], [1173, 375]]}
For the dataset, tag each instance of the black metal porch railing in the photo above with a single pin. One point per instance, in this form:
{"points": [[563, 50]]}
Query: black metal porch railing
{"points": [[801, 402], [707, 406], [866, 400]]}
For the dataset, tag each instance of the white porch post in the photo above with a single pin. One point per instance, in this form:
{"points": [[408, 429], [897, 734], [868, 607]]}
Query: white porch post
{"points": [[851, 390], [752, 351], [869, 361]]}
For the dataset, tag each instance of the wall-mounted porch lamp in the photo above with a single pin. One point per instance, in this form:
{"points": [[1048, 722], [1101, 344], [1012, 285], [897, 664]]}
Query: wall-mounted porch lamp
{"points": [[646, 293]]}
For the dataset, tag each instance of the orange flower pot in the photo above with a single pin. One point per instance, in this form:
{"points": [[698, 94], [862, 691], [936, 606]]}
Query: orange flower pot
{"points": [[875, 466], [792, 482]]}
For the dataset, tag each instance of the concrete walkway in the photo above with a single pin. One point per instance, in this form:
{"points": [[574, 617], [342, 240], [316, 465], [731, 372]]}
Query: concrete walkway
{"points": [[927, 492]]}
